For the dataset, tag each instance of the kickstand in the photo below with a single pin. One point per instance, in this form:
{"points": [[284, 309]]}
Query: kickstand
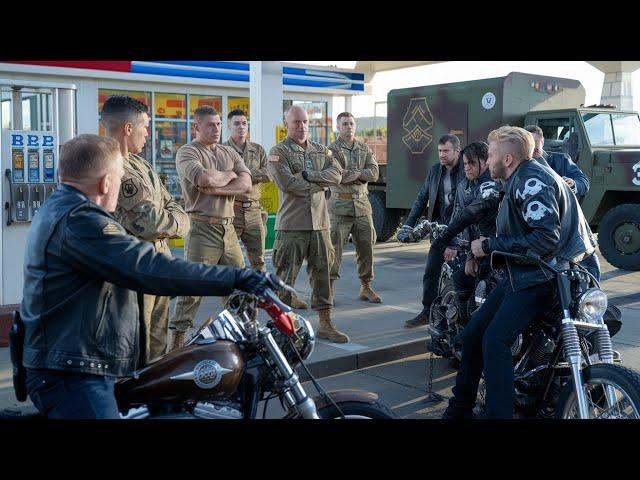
{"points": [[432, 397]]}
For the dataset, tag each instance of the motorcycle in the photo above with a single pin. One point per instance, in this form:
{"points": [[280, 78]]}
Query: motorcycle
{"points": [[230, 365], [564, 364], [444, 318], [234, 362]]}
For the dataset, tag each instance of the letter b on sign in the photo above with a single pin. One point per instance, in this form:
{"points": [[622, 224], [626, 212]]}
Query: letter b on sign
{"points": [[47, 141], [17, 140], [32, 140]]}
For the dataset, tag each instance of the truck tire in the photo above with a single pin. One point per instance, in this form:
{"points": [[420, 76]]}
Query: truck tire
{"points": [[619, 236], [385, 220]]}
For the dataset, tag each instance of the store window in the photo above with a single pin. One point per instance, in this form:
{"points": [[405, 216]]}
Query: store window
{"points": [[170, 133], [170, 127], [319, 124], [144, 97], [37, 108], [196, 101]]}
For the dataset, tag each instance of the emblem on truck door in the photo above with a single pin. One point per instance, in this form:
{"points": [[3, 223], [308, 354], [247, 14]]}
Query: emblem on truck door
{"points": [[417, 121]]}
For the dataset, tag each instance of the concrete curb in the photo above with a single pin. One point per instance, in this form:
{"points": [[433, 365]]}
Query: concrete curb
{"points": [[364, 359]]}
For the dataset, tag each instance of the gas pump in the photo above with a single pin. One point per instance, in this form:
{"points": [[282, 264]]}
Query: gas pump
{"points": [[36, 117]]}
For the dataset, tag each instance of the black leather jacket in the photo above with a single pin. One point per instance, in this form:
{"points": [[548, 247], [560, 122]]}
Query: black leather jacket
{"points": [[475, 210], [84, 276], [539, 213], [432, 194]]}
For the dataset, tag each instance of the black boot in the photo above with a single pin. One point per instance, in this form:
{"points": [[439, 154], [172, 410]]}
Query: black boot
{"points": [[420, 320]]}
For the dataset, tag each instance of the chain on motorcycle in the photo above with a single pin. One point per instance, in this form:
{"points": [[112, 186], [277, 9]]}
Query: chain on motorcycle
{"points": [[432, 398], [315, 383]]}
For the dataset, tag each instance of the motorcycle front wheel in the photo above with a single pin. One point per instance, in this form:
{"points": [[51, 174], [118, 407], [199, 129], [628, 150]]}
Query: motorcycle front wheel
{"points": [[356, 410], [625, 386]]}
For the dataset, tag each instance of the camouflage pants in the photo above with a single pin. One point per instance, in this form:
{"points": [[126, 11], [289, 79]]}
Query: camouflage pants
{"points": [[364, 238], [156, 318], [210, 244], [250, 228], [291, 248]]}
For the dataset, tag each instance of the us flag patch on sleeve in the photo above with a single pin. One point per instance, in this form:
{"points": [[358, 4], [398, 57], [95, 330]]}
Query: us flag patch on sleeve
{"points": [[274, 158]]}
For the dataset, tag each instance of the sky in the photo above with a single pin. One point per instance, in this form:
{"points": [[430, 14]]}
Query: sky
{"points": [[447, 72]]}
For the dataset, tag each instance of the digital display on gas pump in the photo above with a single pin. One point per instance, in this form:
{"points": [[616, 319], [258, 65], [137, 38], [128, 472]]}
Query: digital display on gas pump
{"points": [[34, 165], [17, 164], [49, 166]]}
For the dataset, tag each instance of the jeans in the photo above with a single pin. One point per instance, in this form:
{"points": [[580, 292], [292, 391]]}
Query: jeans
{"points": [[486, 344], [431, 278], [61, 394]]}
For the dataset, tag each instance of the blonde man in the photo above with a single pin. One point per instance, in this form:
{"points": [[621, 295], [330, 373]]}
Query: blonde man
{"points": [[538, 214]]}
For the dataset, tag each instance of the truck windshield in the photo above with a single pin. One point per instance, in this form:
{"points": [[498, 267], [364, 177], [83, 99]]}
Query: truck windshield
{"points": [[612, 128]]}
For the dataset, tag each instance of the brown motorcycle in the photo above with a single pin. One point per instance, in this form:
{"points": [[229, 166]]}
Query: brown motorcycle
{"points": [[234, 362]]}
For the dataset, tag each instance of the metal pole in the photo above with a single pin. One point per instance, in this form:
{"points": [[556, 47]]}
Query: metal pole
{"points": [[16, 102]]}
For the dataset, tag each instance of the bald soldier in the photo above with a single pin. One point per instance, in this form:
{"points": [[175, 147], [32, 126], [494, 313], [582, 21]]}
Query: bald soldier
{"points": [[302, 169], [250, 218], [349, 205], [211, 175], [145, 207]]}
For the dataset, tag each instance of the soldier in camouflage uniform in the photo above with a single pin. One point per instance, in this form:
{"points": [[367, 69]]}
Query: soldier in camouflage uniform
{"points": [[302, 169], [211, 175], [349, 205], [250, 218], [145, 207]]}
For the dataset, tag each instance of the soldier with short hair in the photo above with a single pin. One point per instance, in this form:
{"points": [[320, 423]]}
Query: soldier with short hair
{"points": [[250, 217], [349, 206], [145, 207], [302, 169], [211, 175]]}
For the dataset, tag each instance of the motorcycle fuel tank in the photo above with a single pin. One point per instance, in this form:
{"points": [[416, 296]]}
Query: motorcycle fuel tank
{"points": [[192, 373]]}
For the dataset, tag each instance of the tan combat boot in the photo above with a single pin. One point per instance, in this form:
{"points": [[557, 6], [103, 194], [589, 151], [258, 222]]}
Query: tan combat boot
{"points": [[333, 292], [327, 330], [297, 303], [177, 340], [367, 293]]}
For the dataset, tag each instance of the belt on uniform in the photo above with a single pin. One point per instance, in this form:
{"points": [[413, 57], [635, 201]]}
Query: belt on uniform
{"points": [[211, 220], [159, 243], [245, 204], [349, 196]]}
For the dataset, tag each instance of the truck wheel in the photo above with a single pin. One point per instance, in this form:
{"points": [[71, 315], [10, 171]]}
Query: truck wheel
{"points": [[385, 220], [619, 236]]}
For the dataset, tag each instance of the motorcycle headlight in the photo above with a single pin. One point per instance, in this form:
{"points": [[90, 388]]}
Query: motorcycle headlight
{"points": [[305, 336], [592, 305]]}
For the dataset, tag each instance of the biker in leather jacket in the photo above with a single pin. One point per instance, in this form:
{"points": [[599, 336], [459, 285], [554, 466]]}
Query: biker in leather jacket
{"points": [[540, 214], [84, 280]]}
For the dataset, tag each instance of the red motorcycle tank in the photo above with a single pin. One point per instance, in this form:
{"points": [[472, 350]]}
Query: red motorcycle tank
{"points": [[207, 371]]}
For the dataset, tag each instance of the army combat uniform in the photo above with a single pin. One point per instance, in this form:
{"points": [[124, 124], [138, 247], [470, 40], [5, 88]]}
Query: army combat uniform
{"points": [[303, 222], [350, 212], [212, 238], [147, 211], [250, 218]]}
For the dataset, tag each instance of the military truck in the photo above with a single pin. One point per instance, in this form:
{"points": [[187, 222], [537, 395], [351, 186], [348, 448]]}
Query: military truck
{"points": [[602, 140]]}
